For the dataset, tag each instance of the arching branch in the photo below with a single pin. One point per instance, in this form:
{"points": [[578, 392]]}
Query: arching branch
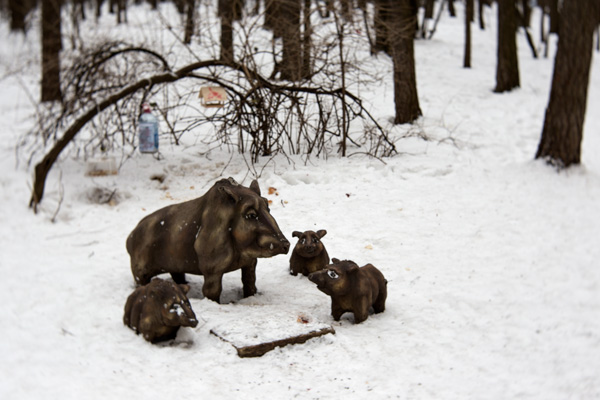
{"points": [[189, 71]]}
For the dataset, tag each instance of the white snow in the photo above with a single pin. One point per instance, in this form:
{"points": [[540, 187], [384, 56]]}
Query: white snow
{"points": [[492, 258]]}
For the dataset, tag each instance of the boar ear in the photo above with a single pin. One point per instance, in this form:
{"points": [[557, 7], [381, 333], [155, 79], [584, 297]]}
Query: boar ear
{"points": [[335, 260], [184, 287], [321, 233], [353, 269], [230, 193], [296, 234], [254, 187]]}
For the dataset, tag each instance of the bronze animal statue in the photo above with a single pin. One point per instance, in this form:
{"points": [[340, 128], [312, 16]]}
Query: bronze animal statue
{"points": [[226, 229], [158, 309], [309, 254], [352, 288]]}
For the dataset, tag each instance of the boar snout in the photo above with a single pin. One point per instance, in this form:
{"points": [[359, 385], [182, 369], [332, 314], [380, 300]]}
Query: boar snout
{"points": [[285, 245], [315, 277], [276, 244]]}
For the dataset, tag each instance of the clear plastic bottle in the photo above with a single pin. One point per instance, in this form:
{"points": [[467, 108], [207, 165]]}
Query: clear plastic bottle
{"points": [[148, 130]]}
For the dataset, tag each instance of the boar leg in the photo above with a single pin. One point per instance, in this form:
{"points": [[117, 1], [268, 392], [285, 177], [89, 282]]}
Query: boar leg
{"points": [[249, 280], [336, 311], [379, 305], [178, 277], [139, 276], [212, 286], [136, 313], [361, 311]]}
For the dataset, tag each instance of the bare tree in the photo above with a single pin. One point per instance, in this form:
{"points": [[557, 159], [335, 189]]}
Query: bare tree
{"points": [[189, 21], [428, 15], [381, 20], [51, 46], [291, 61], [468, 19], [18, 10], [401, 29], [226, 13], [560, 143], [306, 40], [105, 83], [507, 67]]}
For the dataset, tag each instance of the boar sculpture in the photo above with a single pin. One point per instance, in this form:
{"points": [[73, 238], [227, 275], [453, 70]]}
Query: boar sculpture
{"points": [[158, 309], [226, 229], [309, 254], [352, 289]]}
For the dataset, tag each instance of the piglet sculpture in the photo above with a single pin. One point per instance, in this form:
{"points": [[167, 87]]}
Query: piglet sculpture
{"points": [[309, 254], [158, 309], [352, 288]]}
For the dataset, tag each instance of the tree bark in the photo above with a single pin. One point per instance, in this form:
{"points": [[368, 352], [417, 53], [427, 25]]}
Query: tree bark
{"points": [[189, 21], [226, 14], [306, 41], [468, 19], [272, 18], [562, 133], [451, 8], [51, 46], [428, 15], [291, 62], [507, 69], [18, 11], [381, 19], [554, 16], [401, 31]]}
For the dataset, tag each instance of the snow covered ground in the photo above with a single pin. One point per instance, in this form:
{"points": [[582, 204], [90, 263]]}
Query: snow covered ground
{"points": [[492, 258]]}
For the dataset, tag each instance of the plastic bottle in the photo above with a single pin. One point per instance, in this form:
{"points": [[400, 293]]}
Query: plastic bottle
{"points": [[148, 130]]}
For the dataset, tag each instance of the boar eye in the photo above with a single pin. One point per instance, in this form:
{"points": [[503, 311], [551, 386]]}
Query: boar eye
{"points": [[303, 241], [315, 240], [252, 215], [332, 274]]}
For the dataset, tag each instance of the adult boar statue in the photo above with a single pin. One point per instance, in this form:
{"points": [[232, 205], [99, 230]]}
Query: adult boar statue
{"points": [[226, 229]]}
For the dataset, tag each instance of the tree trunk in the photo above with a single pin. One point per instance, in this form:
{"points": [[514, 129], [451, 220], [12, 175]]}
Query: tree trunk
{"points": [[189, 21], [554, 16], [51, 46], [272, 17], [99, 8], [121, 11], [428, 15], [560, 143], [226, 15], [18, 11], [346, 6], [401, 38], [291, 62], [468, 19], [381, 20], [480, 4], [526, 13], [306, 42], [507, 69], [451, 8]]}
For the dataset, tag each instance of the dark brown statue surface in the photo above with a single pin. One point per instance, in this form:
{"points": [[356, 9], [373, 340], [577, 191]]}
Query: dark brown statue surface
{"points": [[352, 288], [226, 229], [158, 309], [309, 254]]}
